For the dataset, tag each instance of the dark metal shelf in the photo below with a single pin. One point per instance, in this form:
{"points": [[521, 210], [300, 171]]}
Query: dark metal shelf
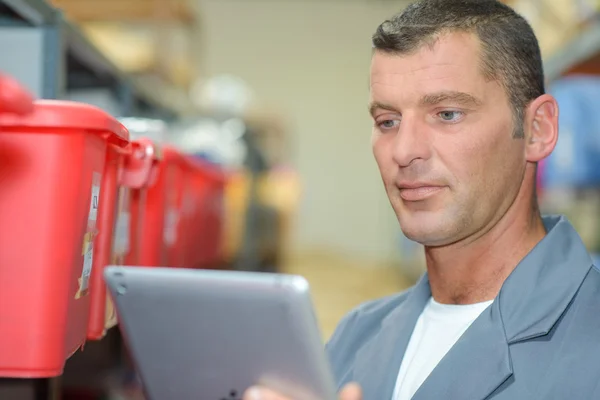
{"points": [[85, 67], [34, 12]]}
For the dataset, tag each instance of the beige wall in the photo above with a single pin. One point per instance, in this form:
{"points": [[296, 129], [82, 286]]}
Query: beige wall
{"points": [[310, 59]]}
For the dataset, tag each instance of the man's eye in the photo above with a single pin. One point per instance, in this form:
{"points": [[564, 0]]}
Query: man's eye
{"points": [[450, 115], [388, 124]]}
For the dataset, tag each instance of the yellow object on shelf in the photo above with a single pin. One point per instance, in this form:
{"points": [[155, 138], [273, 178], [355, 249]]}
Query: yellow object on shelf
{"points": [[281, 190], [278, 189], [133, 50], [237, 198]]}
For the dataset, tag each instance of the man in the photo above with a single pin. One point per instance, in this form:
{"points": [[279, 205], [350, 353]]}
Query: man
{"points": [[510, 306]]}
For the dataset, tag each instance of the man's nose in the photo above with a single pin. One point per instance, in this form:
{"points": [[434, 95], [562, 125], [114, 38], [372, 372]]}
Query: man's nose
{"points": [[411, 143]]}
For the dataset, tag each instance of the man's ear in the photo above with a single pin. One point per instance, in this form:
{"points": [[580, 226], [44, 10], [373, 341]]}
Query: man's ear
{"points": [[541, 128]]}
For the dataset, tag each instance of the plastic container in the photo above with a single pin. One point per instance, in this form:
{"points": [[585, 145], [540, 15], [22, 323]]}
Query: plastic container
{"points": [[162, 240], [141, 173], [101, 318], [184, 214], [129, 171], [205, 227], [158, 219], [53, 181]]}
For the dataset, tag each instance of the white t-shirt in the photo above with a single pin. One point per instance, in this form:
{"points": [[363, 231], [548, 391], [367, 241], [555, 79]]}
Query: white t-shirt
{"points": [[437, 329]]}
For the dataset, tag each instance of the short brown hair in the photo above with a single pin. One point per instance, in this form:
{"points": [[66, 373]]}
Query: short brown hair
{"points": [[511, 52]]}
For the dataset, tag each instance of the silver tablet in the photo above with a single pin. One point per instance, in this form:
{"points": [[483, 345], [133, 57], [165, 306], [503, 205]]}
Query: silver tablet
{"points": [[197, 334]]}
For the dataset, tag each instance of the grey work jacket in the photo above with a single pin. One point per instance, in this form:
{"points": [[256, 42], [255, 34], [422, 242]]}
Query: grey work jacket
{"points": [[540, 338]]}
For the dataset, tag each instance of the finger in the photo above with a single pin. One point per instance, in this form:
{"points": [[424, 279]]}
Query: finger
{"points": [[351, 391], [262, 393]]}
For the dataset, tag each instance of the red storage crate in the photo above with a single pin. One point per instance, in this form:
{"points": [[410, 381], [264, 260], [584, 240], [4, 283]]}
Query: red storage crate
{"points": [[52, 181], [110, 198], [162, 228], [183, 219], [141, 173], [129, 172], [205, 232]]}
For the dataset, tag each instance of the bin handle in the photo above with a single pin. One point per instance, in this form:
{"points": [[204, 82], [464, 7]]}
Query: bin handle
{"points": [[13, 97], [141, 165]]}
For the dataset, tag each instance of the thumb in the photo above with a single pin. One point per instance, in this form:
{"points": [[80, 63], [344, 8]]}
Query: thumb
{"points": [[351, 391]]}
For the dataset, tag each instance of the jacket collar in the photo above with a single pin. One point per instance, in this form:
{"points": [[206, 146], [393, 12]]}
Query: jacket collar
{"points": [[539, 290]]}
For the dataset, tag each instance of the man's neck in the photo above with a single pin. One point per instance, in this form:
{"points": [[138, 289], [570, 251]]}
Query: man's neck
{"points": [[474, 271]]}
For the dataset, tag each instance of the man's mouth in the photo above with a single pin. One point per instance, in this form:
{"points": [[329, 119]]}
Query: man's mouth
{"points": [[416, 191]]}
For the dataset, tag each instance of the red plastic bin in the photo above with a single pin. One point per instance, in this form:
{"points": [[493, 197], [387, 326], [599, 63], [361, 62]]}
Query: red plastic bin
{"points": [[205, 225], [141, 173], [52, 178], [183, 219], [112, 194], [162, 242], [129, 172]]}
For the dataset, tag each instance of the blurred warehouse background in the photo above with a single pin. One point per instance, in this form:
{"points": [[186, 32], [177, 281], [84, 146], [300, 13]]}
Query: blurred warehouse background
{"points": [[275, 91]]}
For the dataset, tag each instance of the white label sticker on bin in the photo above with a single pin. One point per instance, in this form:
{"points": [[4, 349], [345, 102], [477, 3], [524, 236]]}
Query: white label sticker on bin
{"points": [[94, 202], [89, 236], [122, 233], [171, 222]]}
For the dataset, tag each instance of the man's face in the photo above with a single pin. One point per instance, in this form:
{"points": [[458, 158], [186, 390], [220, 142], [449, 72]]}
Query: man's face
{"points": [[443, 142]]}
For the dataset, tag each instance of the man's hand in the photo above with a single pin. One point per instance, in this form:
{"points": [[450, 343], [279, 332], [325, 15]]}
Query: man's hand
{"points": [[350, 392]]}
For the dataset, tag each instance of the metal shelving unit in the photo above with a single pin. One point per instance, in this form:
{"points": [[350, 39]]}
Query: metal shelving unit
{"points": [[34, 12], [54, 59]]}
